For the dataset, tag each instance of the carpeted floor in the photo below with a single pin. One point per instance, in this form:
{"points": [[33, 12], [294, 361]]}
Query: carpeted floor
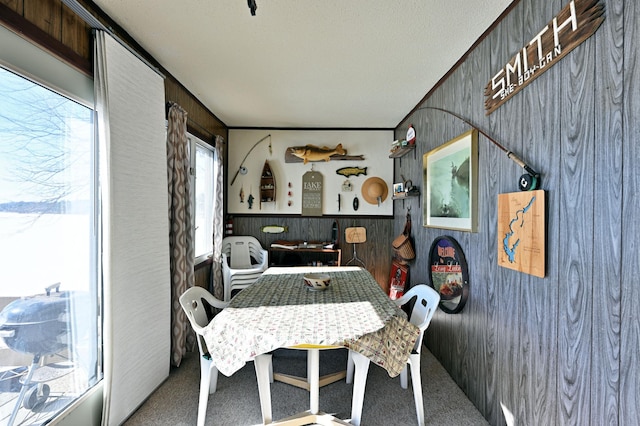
{"points": [[236, 401]]}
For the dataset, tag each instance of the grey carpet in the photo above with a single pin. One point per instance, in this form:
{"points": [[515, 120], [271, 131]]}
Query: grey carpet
{"points": [[236, 399]]}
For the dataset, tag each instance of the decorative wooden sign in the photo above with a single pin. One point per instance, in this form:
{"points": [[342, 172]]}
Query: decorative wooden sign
{"points": [[521, 232], [312, 194], [575, 23], [449, 273]]}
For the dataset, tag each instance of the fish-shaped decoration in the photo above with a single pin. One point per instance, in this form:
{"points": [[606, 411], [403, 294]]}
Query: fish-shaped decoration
{"points": [[314, 153], [274, 229], [352, 171]]}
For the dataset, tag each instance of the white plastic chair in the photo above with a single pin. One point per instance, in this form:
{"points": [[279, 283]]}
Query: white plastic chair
{"points": [[243, 261], [191, 302], [426, 303]]}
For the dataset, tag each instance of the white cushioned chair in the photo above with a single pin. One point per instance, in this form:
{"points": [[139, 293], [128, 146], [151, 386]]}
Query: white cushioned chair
{"points": [[426, 303], [243, 261]]}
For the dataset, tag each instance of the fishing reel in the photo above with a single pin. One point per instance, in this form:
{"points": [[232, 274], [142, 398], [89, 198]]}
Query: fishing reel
{"points": [[529, 181]]}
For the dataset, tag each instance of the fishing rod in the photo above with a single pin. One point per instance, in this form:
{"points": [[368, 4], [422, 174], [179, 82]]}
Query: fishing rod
{"points": [[243, 170], [527, 182]]}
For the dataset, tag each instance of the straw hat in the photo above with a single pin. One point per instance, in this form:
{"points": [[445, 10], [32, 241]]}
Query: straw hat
{"points": [[373, 188]]}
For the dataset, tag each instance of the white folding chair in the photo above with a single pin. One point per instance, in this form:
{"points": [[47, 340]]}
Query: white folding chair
{"points": [[426, 303]]}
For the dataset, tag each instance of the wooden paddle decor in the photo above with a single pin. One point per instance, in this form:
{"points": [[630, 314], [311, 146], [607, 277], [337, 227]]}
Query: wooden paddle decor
{"points": [[575, 23]]}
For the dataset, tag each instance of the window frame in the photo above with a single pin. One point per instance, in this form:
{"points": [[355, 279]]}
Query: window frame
{"points": [[28, 61], [193, 142]]}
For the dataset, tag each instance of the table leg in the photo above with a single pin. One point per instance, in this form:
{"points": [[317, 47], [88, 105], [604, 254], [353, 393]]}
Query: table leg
{"points": [[262, 364], [313, 375]]}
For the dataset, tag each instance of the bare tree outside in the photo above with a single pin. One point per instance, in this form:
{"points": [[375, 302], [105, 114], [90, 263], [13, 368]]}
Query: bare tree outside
{"points": [[40, 146], [49, 325]]}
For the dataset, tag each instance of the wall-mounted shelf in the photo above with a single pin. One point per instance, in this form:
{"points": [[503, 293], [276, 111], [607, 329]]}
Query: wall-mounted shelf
{"points": [[404, 197], [412, 195], [402, 151], [267, 185]]}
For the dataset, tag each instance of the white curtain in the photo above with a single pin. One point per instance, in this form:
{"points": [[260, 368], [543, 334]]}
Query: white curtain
{"points": [[135, 246]]}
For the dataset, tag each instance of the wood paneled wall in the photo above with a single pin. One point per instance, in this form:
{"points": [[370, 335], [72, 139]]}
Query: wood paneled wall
{"points": [[53, 26], [563, 349], [376, 252]]}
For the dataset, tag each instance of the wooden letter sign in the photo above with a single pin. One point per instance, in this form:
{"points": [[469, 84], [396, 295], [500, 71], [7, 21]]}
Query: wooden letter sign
{"points": [[575, 23], [312, 194]]}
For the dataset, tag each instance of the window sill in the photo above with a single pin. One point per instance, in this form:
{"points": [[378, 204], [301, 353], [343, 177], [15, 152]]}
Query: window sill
{"points": [[203, 261]]}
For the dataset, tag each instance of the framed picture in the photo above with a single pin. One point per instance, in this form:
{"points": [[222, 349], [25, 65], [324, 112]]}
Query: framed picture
{"points": [[398, 189], [450, 175], [398, 279]]}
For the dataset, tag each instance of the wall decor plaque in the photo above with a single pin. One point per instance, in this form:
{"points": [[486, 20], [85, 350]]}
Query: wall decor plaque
{"points": [[521, 232], [449, 274], [312, 184], [575, 23]]}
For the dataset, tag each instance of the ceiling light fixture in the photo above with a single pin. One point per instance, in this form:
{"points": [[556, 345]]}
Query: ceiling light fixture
{"points": [[253, 6]]}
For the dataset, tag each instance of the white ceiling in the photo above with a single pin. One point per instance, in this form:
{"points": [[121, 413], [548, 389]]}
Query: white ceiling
{"points": [[303, 63]]}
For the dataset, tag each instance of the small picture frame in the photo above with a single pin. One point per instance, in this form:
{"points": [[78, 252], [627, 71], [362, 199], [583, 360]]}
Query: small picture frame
{"points": [[398, 189], [398, 279]]}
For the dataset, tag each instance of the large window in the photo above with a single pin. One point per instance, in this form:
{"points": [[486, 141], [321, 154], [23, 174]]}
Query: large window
{"points": [[203, 160], [49, 316]]}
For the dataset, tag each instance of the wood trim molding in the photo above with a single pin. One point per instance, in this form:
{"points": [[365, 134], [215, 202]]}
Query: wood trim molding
{"points": [[27, 30]]}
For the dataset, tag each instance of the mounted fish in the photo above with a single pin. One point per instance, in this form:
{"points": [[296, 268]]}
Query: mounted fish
{"points": [[307, 153], [352, 171], [314, 153]]}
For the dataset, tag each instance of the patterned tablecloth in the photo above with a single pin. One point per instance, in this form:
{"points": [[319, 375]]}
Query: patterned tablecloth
{"points": [[279, 311]]}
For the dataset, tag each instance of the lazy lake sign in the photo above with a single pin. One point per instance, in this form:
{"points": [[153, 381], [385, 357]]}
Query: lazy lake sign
{"points": [[575, 23]]}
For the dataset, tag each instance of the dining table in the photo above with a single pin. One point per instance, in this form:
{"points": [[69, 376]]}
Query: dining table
{"points": [[279, 311]]}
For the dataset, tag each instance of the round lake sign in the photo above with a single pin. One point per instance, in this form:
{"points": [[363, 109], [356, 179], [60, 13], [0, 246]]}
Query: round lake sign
{"points": [[449, 274]]}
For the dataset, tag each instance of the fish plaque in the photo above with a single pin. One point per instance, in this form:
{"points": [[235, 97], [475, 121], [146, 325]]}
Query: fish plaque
{"points": [[312, 183], [352, 171], [313, 153]]}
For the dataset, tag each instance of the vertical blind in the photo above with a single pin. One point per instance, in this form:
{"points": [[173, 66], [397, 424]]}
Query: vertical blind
{"points": [[131, 128]]}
